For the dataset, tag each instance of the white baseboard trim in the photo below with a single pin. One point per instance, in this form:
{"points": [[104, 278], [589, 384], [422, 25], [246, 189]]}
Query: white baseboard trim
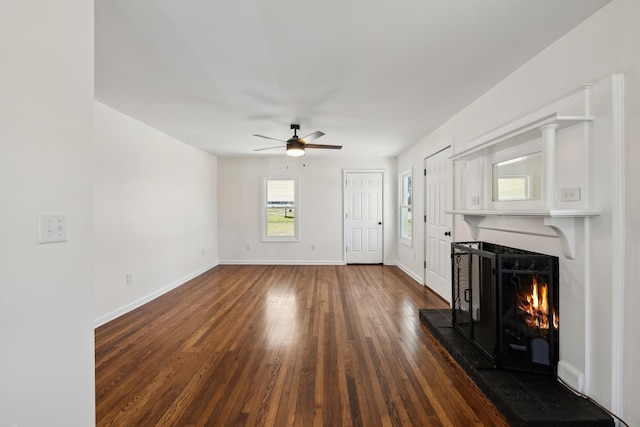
{"points": [[408, 272], [571, 375], [132, 306], [279, 262]]}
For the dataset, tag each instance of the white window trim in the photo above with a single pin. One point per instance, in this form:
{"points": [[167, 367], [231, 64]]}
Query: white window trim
{"points": [[263, 206], [401, 178]]}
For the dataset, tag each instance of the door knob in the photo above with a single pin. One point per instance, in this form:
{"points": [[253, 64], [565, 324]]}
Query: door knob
{"points": [[379, 222], [447, 233]]}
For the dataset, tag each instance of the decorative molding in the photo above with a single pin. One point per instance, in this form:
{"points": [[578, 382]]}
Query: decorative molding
{"points": [[618, 246], [542, 124], [558, 213], [507, 137], [526, 127], [562, 222]]}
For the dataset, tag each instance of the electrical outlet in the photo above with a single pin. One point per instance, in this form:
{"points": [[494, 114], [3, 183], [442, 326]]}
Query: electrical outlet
{"points": [[53, 228], [475, 200], [313, 246], [129, 278], [570, 194], [247, 247]]}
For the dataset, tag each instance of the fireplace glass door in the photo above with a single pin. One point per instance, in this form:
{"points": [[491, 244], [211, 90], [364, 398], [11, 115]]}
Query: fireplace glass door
{"points": [[528, 318], [474, 298], [505, 301]]}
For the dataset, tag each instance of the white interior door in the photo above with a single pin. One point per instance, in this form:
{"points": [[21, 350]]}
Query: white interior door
{"points": [[439, 225], [363, 226]]}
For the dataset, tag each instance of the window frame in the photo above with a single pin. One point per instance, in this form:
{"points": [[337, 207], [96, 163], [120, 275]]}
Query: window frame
{"points": [[405, 203], [265, 207]]}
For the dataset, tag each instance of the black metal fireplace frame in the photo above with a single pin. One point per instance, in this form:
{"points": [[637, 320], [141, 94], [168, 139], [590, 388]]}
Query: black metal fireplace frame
{"points": [[471, 249], [495, 263]]}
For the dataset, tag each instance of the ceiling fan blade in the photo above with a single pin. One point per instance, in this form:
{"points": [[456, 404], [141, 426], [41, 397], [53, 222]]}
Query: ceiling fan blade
{"points": [[312, 136], [268, 137], [334, 147], [269, 148]]}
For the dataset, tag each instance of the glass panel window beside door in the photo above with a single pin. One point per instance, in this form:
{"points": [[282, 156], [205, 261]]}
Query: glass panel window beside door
{"points": [[406, 218]]}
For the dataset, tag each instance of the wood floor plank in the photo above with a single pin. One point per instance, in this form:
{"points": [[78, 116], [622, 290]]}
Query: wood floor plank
{"points": [[284, 346]]}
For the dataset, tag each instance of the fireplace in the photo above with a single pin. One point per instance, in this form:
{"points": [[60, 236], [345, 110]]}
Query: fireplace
{"points": [[505, 301]]}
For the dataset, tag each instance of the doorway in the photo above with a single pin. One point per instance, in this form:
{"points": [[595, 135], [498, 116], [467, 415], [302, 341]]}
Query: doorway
{"points": [[363, 222], [439, 224]]}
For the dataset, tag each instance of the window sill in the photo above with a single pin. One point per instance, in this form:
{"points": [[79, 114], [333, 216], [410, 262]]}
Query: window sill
{"points": [[280, 240]]}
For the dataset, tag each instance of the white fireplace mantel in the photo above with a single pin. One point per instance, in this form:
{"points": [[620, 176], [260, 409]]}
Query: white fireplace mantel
{"points": [[562, 223], [545, 125]]}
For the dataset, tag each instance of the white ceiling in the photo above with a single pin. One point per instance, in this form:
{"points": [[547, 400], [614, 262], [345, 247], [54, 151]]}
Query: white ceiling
{"points": [[375, 76]]}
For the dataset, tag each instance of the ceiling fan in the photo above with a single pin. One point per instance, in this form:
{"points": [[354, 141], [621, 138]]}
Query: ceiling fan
{"points": [[296, 146]]}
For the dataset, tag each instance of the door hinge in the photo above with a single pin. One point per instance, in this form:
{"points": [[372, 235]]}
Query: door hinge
{"points": [[425, 218], [425, 171], [425, 264]]}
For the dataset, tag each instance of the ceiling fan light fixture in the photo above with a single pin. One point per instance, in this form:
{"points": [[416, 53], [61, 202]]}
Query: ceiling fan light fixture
{"points": [[297, 146], [295, 151]]}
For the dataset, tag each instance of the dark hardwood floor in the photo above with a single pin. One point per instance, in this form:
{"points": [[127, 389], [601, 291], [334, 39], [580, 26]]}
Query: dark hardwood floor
{"points": [[280, 346]]}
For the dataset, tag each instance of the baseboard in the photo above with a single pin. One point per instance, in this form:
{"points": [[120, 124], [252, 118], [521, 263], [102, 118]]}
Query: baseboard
{"points": [[408, 273], [571, 375], [132, 306], [279, 262]]}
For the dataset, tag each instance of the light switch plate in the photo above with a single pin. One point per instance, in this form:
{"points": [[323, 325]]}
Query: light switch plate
{"points": [[53, 228]]}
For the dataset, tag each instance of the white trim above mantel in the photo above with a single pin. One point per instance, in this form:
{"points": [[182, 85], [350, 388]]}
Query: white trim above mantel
{"points": [[544, 127], [503, 139], [563, 223]]}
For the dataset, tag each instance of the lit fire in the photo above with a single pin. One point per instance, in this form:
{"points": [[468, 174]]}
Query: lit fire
{"points": [[536, 305]]}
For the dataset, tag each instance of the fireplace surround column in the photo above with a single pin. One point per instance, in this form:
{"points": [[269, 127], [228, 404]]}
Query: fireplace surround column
{"points": [[549, 172]]}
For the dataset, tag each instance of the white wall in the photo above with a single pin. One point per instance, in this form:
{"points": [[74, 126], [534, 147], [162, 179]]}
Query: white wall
{"points": [[320, 206], [46, 302], [154, 213], [605, 44]]}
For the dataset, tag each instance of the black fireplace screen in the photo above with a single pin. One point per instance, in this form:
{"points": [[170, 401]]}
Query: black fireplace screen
{"points": [[505, 301]]}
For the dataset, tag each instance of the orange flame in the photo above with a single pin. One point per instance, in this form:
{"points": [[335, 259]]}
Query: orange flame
{"points": [[536, 305]]}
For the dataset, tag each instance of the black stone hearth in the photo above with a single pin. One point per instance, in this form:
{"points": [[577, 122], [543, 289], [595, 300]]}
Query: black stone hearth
{"points": [[525, 399]]}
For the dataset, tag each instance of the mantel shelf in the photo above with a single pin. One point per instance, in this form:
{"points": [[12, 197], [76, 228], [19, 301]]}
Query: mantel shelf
{"points": [[514, 134], [561, 221], [558, 213]]}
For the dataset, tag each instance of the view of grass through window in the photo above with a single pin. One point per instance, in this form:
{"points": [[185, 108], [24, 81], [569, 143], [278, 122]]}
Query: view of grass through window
{"points": [[281, 208], [281, 222]]}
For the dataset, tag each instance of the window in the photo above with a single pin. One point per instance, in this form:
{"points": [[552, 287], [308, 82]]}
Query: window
{"points": [[406, 220], [280, 209]]}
